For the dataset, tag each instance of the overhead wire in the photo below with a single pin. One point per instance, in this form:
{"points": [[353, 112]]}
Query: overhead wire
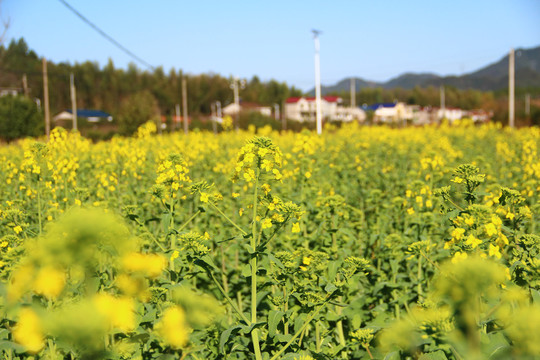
{"points": [[106, 36]]}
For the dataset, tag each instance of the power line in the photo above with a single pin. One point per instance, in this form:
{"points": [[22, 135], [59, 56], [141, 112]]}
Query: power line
{"points": [[105, 35]]}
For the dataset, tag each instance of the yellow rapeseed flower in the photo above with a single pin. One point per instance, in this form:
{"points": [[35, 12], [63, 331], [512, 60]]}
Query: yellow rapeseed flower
{"points": [[49, 282], [151, 265], [28, 331], [204, 197], [296, 228], [473, 241], [494, 251], [266, 223], [120, 312], [490, 229], [172, 327], [457, 234], [459, 256]]}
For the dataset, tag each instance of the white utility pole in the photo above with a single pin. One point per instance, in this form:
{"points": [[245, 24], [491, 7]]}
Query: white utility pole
{"points": [[353, 93], [184, 104], [511, 88], [276, 112], [318, 81], [73, 100]]}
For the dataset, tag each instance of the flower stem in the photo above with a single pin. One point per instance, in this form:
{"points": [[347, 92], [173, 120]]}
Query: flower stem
{"points": [[229, 220], [253, 261]]}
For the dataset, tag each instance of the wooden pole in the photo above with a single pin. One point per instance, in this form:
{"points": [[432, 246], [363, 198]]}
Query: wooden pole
{"points": [[283, 118], [25, 86], [237, 104], [46, 99], [73, 100], [213, 107], [184, 104], [511, 88], [177, 118], [353, 93]]}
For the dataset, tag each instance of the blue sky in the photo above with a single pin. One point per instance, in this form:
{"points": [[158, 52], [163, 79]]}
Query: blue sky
{"points": [[374, 40]]}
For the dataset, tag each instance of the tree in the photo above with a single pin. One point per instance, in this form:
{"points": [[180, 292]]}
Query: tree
{"points": [[19, 117], [136, 110]]}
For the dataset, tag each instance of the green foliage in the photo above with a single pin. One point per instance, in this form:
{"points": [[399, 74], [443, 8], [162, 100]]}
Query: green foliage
{"points": [[136, 110], [19, 117]]}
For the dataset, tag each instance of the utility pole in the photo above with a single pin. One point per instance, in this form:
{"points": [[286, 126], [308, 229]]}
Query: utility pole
{"points": [[213, 117], [443, 103], [73, 100], [276, 112], [184, 104], [283, 118], [511, 88], [527, 105], [46, 99], [177, 118], [25, 86], [318, 81], [353, 93], [236, 85]]}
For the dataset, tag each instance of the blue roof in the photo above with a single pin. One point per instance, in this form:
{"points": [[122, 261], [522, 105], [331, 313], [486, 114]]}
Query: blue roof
{"points": [[90, 113], [380, 105]]}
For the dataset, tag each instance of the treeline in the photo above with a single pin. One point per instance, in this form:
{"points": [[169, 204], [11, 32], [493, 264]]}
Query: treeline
{"points": [[123, 92], [108, 88]]}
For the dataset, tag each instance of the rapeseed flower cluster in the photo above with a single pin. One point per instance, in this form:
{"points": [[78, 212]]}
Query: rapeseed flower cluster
{"points": [[258, 157]]}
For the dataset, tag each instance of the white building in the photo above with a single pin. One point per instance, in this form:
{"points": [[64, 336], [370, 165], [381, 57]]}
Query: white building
{"points": [[392, 112], [233, 109], [451, 114], [305, 109]]}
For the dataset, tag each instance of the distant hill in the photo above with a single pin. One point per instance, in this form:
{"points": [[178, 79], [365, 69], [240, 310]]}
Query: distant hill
{"points": [[491, 77]]}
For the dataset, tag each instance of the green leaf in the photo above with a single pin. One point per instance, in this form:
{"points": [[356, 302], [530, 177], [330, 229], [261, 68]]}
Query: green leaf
{"points": [[437, 355], [283, 338], [224, 338], [330, 288], [206, 262], [247, 329], [394, 355], [274, 317], [536, 296], [246, 270], [9, 345], [275, 260]]}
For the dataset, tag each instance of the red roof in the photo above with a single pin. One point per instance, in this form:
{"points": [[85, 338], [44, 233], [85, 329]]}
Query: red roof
{"points": [[330, 99], [292, 100]]}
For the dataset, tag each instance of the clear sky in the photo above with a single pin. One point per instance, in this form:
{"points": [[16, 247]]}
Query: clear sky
{"points": [[374, 40]]}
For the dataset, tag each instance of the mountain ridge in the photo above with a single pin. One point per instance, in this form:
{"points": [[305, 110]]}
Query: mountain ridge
{"points": [[491, 77]]}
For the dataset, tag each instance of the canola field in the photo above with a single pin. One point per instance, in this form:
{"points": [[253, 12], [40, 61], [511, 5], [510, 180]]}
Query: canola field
{"points": [[363, 243]]}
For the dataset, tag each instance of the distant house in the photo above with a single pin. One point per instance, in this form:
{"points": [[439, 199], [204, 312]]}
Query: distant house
{"points": [[92, 116], [391, 112], [305, 109], [451, 114], [7, 91], [480, 115], [233, 109]]}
